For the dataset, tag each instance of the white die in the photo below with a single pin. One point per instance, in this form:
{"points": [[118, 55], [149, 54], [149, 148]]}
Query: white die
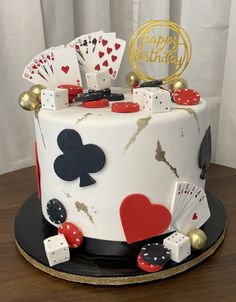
{"points": [[138, 96], [156, 100], [57, 249], [99, 80], [179, 246], [54, 99]]}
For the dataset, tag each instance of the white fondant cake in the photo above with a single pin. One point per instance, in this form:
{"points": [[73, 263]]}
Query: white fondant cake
{"points": [[145, 153]]}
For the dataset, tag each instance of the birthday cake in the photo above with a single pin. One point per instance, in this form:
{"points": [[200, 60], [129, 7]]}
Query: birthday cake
{"points": [[120, 171]]}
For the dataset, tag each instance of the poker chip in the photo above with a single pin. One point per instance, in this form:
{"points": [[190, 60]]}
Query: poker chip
{"points": [[73, 91], [154, 83], [96, 103], [155, 253], [103, 91], [186, 97], [89, 96], [150, 268], [125, 107], [115, 97], [72, 233], [56, 211]]}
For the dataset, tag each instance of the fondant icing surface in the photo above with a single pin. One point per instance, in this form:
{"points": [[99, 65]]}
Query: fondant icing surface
{"points": [[145, 154]]}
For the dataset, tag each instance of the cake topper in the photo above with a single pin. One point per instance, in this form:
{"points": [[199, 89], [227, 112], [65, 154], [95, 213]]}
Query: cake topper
{"points": [[150, 44]]}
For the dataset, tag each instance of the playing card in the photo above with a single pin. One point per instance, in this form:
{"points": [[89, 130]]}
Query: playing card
{"points": [[186, 198], [109, 54], [195, 216], [176, 198], [33, 74], [66, 67]]}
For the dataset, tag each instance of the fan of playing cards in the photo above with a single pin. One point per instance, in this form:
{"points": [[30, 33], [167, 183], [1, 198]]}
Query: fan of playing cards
{"points": [[93, 52], [189, 207]]}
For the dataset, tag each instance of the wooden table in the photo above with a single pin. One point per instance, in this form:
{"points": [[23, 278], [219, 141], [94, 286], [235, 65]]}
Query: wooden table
{"points": [[213, 280]]}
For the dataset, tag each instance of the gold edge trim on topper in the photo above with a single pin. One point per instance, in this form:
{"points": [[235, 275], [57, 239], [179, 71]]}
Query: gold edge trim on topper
{"points": [[124, 280]]}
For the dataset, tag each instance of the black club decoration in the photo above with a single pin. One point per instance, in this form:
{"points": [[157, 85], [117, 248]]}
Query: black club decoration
{"points": [[77, 160], [204, 157]]}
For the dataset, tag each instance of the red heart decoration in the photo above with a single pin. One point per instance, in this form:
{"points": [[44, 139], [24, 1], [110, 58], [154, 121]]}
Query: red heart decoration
{"points": [[105, 63], [104, 42], [97, 67], [109, 50], [65, 69], [194, 216], [101, 54], [141, 219], [110, 70], [113, 58], [117, 46]]}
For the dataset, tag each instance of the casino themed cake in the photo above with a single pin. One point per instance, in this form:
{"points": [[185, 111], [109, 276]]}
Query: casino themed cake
{"points": [[120, 171]]}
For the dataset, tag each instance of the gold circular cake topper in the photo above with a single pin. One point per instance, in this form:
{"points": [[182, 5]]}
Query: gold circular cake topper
{"points": [[160, 42]]}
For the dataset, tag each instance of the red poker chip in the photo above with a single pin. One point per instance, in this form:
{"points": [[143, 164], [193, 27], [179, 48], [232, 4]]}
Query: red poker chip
{"points": [[72, 233], [72, 89], [150, 268], [125, 107], [186, 97], [101, 103]]}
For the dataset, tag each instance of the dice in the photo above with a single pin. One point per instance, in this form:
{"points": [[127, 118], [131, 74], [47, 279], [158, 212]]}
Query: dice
{"points": [[54, 99], [138, 94], [156, 100], [57, 249], [179, 246], [99, 80]]}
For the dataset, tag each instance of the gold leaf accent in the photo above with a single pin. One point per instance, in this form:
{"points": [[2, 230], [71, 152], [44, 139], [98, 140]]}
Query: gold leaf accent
{"points": [[36, 114], [82, 207], [161, 156], [67, 195], [84, 117], [194, 114], [141, 124]]}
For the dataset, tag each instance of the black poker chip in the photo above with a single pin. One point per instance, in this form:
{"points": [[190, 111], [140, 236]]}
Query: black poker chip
{"points": [[103, 91], [56, 211], [155, 253], [154, 83], [89, 96], [114, 97]]}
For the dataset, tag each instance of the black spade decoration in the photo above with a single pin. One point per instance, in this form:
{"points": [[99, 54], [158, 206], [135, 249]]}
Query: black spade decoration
{"points": [[77, 160], [56, 211], [204, 157]]}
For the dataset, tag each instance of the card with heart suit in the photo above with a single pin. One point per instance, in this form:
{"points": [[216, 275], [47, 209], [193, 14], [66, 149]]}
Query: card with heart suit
{"points": [[109, 54], [189, 207], [195, 216], [65, 66]]}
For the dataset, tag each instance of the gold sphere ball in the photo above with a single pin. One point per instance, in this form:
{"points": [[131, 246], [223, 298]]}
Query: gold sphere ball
{"points": [[36, 89], [28, 101], [198, 239], [132, 80], [177, 84]]}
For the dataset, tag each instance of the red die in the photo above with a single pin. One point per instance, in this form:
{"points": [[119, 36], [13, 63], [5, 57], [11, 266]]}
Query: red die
{"points": [[72, 234]]}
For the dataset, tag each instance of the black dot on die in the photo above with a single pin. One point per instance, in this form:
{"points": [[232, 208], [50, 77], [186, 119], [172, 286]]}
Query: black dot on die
{"points": [[56, 211]]}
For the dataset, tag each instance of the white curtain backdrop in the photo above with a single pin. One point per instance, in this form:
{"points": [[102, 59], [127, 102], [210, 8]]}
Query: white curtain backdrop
{"points": [[30, 26]]}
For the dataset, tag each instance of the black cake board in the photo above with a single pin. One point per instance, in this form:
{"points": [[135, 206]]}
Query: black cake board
{"points": [[31, 229]]}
